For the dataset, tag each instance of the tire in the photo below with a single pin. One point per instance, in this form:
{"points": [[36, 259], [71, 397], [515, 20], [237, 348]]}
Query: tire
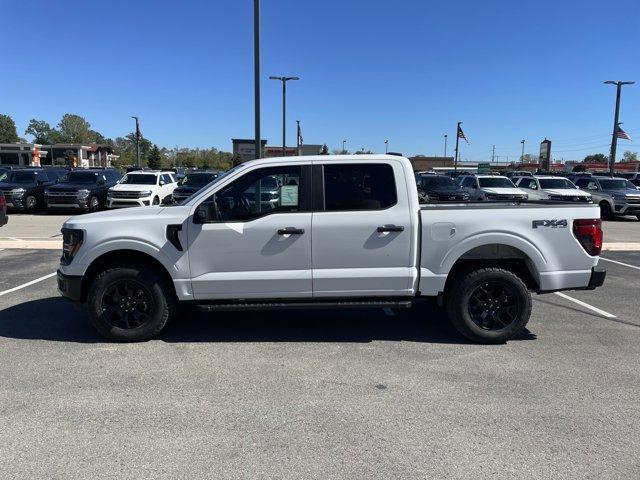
{"points": [[94, 204], [638, 217], [119, 311], [155, 201], [605, 211], [30, 203], [487, 318]]}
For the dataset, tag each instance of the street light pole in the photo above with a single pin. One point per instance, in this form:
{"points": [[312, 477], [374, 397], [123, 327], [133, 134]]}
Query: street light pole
{"points": [[343, 146], [137, 141], [284, 81], [386, 146], [256, 76], [616, 123], [455, 163], [522, 156], [445, 145]]}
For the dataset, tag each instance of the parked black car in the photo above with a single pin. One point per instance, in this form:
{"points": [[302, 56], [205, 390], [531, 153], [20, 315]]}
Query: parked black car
{"points": [[193, 182], [82, 189], [24, 188], [3, 210], [440, 188]]}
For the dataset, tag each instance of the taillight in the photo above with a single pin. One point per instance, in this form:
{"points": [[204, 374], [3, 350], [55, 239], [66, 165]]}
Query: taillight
{"points": [[3, 202], [589, 234]]}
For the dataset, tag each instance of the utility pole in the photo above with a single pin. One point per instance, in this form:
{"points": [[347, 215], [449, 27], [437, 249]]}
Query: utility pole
{"points": [[522, 157], [445, 145], [386, 146], [455, 163], [616, 123], [137, 141], [284, 81], [493, 154], [256, 75]]}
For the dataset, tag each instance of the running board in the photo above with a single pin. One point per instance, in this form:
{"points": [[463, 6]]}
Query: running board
{"points": [[217, 307]]}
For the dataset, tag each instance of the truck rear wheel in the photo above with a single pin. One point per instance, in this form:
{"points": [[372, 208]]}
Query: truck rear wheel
{"points": [[130, 303], [488, 305]]}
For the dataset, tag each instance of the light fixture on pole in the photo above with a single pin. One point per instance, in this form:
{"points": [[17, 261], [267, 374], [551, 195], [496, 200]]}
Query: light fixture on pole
{"points": [[284, 81], [137, 141], [344, 142], [386, 146], [616, 123], [522, 157]]}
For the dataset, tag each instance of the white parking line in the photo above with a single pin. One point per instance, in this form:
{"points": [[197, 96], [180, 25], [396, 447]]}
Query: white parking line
{"points": [[586, 305], [27, 284], [619, 263]]}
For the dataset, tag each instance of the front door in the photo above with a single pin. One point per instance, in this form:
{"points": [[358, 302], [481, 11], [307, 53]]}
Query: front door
{"points": [[260, 244], [362, 232]]}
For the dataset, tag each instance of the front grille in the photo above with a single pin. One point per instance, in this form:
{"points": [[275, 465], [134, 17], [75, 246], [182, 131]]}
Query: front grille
{"points": [[570, 198], [127, 195]]}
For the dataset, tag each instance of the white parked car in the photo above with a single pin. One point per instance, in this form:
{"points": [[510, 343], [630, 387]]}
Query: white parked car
{"points": [[141, 188], [491, 187], [559, 189]]}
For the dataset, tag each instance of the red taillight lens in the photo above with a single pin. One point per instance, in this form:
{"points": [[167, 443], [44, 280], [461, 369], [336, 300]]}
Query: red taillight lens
{"points": [[589, 234], [3, 202]]}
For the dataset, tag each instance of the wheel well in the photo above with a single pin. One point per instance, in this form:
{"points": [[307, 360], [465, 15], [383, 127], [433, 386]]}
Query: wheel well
{"points": [[119, 257], [497, 255]]}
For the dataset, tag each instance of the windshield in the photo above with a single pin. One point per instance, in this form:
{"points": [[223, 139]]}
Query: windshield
{"points": [[139, 179], [616, 184], [495, 182], [219, 177], [199, 179], [437, 181], [556, 183], [84, 178], [22, 177]]}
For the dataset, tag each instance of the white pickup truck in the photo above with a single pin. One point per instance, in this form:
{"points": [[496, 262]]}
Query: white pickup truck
{"points": [[320, 232]]}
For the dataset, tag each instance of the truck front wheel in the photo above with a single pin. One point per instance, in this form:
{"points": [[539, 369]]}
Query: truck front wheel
{"points": [[130, 303], [488, 305]]}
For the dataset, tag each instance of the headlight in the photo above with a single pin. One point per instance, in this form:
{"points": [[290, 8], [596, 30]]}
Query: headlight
{"points": [[18, 191], [146, 193], [83, 193], [46, 191], [71, 243]]}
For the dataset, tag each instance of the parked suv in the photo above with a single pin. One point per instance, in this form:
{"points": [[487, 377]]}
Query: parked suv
{"points": [[141, 188], [633, 177], [624, 197], [439, 188], [558, 189], [491, 187], [193, 182], [24, 188], [81, 189]]}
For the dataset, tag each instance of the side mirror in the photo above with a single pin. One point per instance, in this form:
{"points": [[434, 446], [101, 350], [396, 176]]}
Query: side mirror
{"points": [[162, 183], [207, 212]]}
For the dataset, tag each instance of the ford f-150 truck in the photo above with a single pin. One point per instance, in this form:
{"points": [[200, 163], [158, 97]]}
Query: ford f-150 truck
{"points": [[337, 231]]}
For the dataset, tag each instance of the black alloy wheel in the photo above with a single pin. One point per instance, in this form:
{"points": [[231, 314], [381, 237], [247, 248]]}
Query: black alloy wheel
{"points": [[127, 304], [494, 305]]}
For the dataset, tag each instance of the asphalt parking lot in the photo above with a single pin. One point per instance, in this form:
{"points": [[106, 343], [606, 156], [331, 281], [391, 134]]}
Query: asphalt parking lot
{"points": [[319, 394]]}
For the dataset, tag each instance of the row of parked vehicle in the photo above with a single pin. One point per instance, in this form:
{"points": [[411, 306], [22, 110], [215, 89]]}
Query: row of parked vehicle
{"points": [[616, 196], [87, 190]]}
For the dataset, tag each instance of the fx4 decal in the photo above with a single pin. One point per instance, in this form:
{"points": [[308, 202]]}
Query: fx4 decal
{"points": [[549, 223]]}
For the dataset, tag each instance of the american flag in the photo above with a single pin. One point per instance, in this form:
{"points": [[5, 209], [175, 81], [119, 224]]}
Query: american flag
{"points": [[620, 133], [462, 135]]}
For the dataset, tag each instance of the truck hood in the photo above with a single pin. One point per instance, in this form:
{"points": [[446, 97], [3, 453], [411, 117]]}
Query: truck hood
{"points": [[128, 187], [504, 191], [566, 192]]}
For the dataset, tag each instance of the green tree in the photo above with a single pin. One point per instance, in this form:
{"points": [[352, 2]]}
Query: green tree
{"points": [[630, 156], [596, 158], [41, 132], [125, 147], [8, 132], [154, 160], [75, 129]]}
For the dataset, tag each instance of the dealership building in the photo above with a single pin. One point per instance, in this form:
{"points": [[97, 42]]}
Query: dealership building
{"points": [[64, 154]]}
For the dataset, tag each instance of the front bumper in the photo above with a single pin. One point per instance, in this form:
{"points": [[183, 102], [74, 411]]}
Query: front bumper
{"points": [[627, 208], [128, 202], [70, 287]]}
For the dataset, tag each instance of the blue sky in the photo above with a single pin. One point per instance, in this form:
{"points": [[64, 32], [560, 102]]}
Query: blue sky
{"points": [[372, 70]]}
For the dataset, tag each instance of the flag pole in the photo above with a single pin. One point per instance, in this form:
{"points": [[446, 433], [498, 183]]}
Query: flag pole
{"points": [[455, 163], [298, 138]]}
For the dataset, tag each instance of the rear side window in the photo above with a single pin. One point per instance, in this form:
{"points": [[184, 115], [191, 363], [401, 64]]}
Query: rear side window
{"points": [[359, 187]]}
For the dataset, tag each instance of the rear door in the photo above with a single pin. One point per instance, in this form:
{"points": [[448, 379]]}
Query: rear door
{"points": [[361, 230]]}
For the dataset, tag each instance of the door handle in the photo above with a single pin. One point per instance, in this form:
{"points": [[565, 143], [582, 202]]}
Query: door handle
{"points": [[291, 231], [391, 228]]}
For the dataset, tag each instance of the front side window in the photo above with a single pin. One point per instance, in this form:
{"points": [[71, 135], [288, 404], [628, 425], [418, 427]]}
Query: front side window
{"points": [[258, 193], [529, 183], [359, 187]]}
